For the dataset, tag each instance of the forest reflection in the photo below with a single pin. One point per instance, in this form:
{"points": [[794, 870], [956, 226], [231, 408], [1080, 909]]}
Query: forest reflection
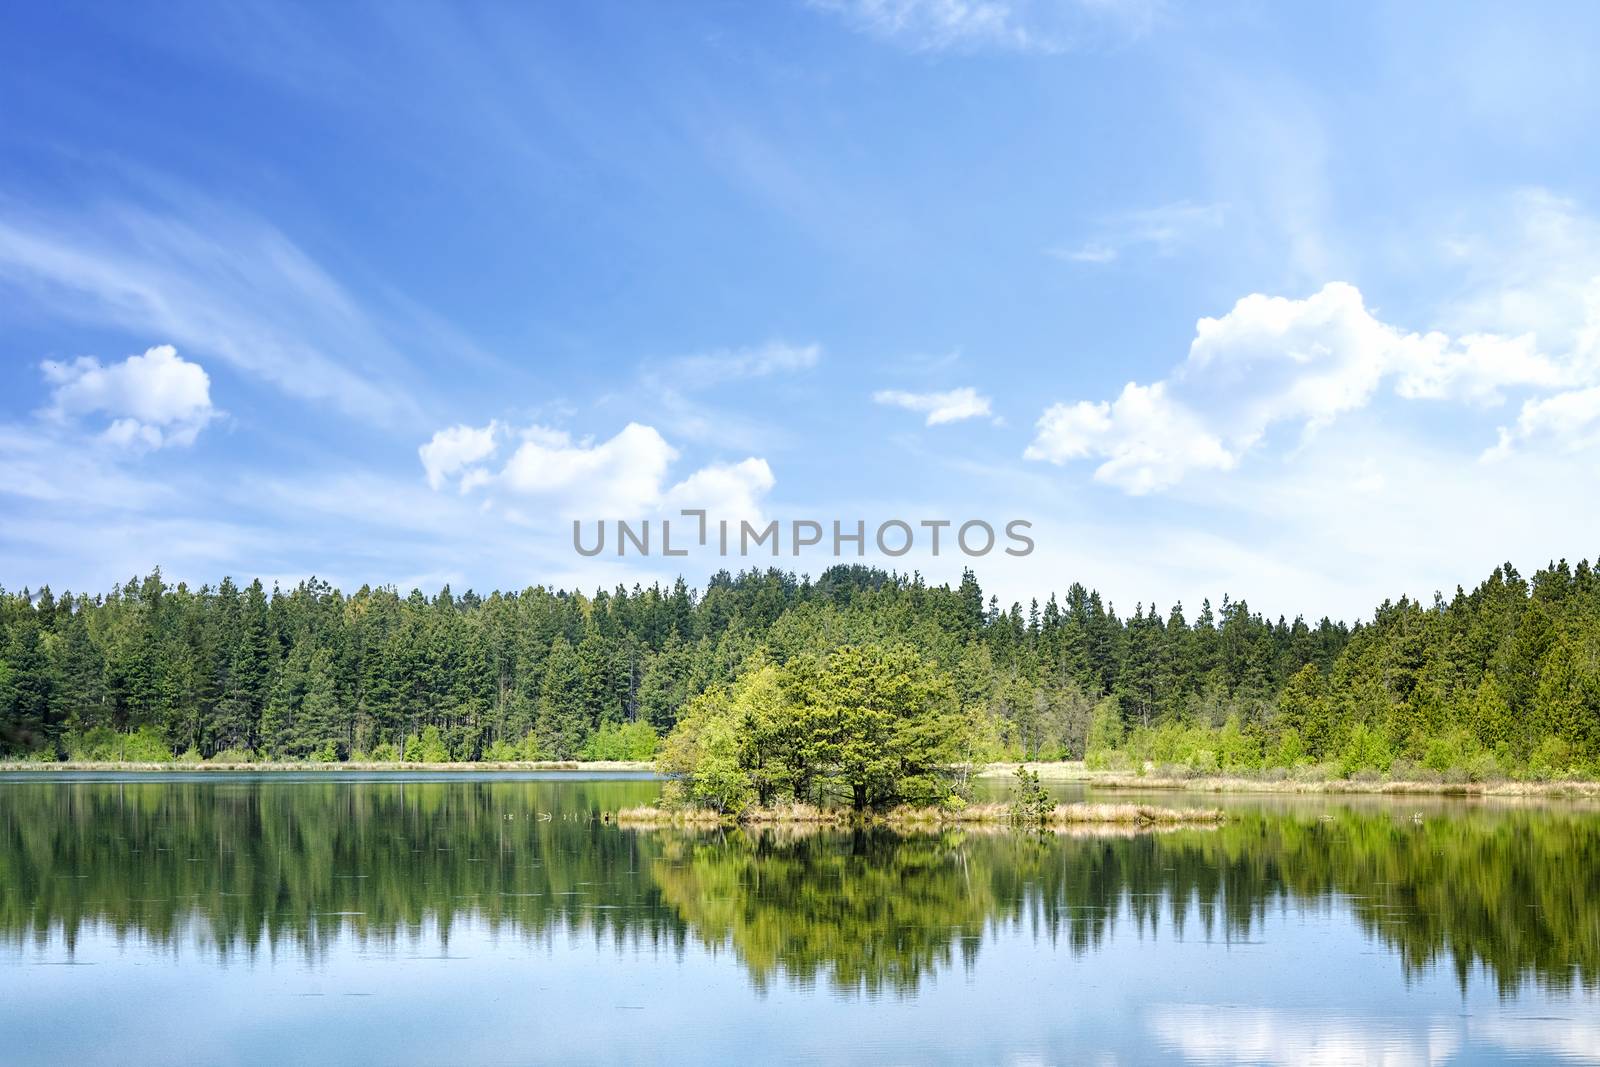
{"points": [[236, 867]]}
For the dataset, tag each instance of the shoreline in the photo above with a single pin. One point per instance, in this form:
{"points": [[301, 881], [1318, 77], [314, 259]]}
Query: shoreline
{"points": [[331, 768], [1075, 771], [1063, 772]]}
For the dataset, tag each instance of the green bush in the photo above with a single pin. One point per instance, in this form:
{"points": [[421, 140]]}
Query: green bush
{"points": [[622, 741], [502, 751], [1365, 750], [1032, 805], [1105, 735], [1290, 751], [1553, 758], [427, 747], [144, 745]]}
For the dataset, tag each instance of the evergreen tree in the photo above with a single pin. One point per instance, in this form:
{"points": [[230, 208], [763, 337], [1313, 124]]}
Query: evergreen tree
{"points": [[562, 718]]}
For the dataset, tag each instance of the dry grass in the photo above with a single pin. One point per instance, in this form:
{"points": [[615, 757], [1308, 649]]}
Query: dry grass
{"points": [[650, 816], [1063, 816], [1075, 771], [783, 815]]}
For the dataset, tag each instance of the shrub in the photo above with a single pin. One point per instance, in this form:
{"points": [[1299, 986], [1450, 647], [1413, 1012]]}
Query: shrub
{"points": [[144, 745], [1105, 733], [1365, 750], [1552, 759], [502, 751], [427, 747], [1031, 806], [1290, 750], [622, 741]]}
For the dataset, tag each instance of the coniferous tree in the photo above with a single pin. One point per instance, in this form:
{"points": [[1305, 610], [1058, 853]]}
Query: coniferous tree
{"points": [[561, 722]]}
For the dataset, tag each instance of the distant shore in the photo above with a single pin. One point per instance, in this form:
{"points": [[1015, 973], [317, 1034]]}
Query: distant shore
{"points": [[181, 767], [1075, 771], [1065, 771]]}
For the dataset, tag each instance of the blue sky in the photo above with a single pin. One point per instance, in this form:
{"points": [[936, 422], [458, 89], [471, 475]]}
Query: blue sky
{"points": [[1300, 305]]}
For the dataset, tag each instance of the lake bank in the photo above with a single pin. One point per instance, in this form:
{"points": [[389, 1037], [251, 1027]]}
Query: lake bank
{"points": [[1075, 771], [364, 766]]}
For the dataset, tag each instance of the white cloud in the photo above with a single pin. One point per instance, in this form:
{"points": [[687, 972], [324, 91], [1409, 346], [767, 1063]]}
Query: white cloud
{"points": [[1007, 25], [155, 399], [618, 477], [1146, 441], [1536, 277], [951, 406], [1299, 362], [1571, 420], [730, 491], [458, 449], [624, 476]]}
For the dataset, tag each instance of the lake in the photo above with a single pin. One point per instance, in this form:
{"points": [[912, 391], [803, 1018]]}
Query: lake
{"points": [[496, 918]]}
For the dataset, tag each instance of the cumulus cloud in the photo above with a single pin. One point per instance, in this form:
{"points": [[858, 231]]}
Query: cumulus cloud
{"points": [[155, 399], [1301, 363], [620, 476], [458, 450], [624, 476], [1147, 441], [952, 406], [730, 491]]}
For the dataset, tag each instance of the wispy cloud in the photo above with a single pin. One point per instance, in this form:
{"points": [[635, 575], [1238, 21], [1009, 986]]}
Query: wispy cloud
{"points": [[1163, 230], [953, 405], [681, 391], [738, 364], [1044, 26], [223, 287]]}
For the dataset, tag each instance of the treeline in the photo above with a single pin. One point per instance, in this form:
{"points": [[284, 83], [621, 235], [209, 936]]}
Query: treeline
{"points": [[1508, 674]]}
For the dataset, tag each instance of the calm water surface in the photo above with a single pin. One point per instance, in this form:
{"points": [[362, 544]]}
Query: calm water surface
{"points": [[439, 919]]}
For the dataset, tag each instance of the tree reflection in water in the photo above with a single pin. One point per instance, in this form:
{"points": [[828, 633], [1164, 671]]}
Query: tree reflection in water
{"points": [[236, 865]]}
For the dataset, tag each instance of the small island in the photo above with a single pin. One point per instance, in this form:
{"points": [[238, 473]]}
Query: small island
{"points": [[1051, 817]]}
